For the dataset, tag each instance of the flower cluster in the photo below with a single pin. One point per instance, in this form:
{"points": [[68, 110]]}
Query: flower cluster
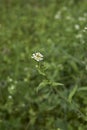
{"points": [[37, 56]]}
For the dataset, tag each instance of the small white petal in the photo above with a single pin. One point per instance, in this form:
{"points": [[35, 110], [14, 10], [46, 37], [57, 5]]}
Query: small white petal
{"points": [[37, 56]]}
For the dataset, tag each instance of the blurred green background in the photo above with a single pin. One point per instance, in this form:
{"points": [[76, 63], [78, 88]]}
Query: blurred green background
{"points": [[57, 29]]}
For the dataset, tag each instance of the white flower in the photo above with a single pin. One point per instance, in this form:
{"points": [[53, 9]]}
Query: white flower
{"points": [[10, 97], [82, 19], [77, 27], [37, 56], [85, 28], [79, 36]]}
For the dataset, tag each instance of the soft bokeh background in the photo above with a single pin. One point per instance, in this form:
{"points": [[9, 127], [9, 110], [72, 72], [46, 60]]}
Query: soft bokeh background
{"points": [[57, 29]]}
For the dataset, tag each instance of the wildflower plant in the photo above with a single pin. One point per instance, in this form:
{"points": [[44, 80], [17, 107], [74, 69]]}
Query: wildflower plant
{"points": [[42, 68], [50, 89], [39, 58]]}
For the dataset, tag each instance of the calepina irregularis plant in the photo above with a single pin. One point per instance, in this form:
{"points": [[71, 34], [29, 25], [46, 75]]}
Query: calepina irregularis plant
{"points": [[56, 90], [42, 68]]}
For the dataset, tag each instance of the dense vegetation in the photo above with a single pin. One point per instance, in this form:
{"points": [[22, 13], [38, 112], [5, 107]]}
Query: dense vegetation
{"points": [[54, 96]]}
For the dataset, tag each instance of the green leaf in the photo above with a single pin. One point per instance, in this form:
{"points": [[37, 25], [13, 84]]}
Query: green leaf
{"points": [[72, 93], [82, 89], [42, 85], [42, 73], [57, 84]]}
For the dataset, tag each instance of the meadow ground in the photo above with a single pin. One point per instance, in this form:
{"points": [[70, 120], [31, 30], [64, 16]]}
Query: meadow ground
{"points": [[50, 94]]}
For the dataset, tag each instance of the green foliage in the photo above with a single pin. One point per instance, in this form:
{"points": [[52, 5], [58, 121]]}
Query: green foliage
{"points": [[72, 93], [51, 95]]}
